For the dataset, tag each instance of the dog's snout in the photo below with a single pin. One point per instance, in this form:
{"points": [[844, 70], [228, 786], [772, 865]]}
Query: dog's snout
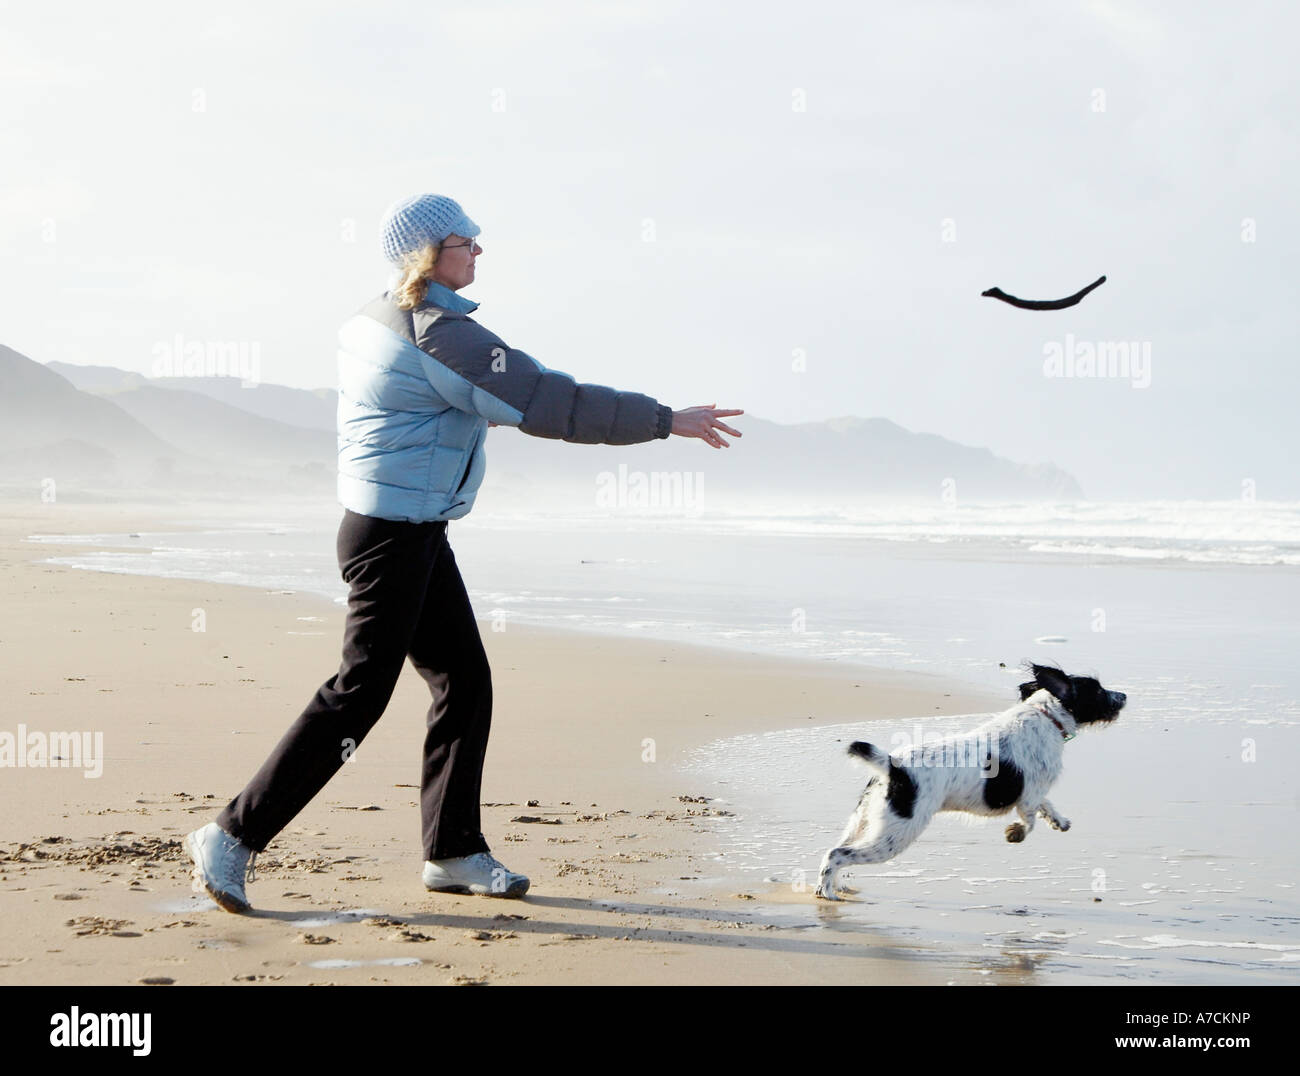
{"points": [[1119, 697]]}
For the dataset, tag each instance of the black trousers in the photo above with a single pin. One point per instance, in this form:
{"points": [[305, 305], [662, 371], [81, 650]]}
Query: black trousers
{"points": [[406, 600]]}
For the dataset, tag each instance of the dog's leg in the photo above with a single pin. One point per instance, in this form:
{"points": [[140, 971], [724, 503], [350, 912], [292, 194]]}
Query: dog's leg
{"points": [[831, 862], [857, 824], [1018, 831], [1056, 821], [854, 831], [893, 837], [876, 850]]}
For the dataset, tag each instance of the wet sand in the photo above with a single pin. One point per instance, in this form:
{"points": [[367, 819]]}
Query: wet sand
{"points": [[583, 791]]}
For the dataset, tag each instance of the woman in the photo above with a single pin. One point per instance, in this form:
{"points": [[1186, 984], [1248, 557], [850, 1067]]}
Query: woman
{"points": [[419, 384]]}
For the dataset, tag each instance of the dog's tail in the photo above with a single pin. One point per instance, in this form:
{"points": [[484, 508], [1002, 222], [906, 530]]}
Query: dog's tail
{"points": [[874, 757]]}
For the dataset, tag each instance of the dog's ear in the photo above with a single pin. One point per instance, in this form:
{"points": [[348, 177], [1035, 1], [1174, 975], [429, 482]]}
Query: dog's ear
{"points": [[1029, 686], [1055, 682]]}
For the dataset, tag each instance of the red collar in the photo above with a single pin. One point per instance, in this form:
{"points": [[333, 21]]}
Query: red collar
{"points": [[1042, 710]]}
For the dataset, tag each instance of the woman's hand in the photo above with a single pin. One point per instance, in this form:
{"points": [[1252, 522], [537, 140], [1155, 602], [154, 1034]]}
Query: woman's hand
{"points": [[701, 422]]}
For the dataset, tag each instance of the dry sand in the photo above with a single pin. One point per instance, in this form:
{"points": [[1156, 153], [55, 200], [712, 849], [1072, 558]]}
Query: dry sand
{"points": [[95, 889]]}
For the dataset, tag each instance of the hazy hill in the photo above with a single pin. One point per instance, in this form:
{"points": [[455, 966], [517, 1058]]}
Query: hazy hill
{"points": [[49, 427], [841, 460], [314, 409], [98, 378], [220, 432], [129, 432]]}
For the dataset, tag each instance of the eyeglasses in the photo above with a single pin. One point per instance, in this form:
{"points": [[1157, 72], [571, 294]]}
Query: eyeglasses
{"points": [[452, 246]]}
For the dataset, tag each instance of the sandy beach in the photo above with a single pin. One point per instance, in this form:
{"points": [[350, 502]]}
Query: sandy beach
{"points": [[581, 792]]}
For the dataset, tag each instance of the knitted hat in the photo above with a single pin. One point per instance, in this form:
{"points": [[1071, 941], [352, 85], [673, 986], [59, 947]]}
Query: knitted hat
{"points": [[423, 218]]}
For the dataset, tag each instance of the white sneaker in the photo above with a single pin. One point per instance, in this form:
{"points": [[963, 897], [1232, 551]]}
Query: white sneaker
{"points": [[479, 873], [221, 863]]}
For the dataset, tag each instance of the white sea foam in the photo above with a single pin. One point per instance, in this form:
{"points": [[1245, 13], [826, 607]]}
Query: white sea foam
{"points": [[1170, 941], [1239, 531]]}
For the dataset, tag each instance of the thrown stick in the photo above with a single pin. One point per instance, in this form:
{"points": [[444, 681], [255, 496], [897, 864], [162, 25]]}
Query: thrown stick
{"points": [[1043, 304]]}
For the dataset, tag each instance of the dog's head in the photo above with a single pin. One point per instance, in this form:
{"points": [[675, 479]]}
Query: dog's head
{"points": [[1085, 698]]}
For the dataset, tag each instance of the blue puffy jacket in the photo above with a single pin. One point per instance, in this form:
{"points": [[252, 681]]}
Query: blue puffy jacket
{"points": [[417, 389]]}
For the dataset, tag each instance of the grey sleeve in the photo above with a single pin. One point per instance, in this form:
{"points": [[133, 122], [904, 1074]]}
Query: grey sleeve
{"points": [[476, 370]]}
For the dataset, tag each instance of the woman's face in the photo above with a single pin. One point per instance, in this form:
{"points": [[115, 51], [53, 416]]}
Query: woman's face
{"points": [[454, 268]]}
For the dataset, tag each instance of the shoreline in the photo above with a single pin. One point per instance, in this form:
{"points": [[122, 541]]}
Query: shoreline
{"points": [[588, 731], [946, 684]]}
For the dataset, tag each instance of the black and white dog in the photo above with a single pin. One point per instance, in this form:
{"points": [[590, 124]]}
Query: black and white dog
{"points": [[1011, 761]]}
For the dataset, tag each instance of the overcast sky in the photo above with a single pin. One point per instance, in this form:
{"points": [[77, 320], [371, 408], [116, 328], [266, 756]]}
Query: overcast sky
{"points": [[693, 200]]}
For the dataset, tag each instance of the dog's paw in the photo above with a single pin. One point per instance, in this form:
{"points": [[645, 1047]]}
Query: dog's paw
{"points": [[826, 893], [1061, 824], [1016, 832]]}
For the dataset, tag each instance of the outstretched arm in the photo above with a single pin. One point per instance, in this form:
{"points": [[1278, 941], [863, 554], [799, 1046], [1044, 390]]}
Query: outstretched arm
{"points": [[476, 371], [698, 422]]}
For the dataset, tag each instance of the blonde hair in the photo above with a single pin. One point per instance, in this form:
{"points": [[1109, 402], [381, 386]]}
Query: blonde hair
{"points": [[414, 275]]}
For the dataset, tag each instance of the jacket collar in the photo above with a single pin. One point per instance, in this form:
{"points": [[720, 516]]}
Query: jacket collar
{"points": [[445, 299]]}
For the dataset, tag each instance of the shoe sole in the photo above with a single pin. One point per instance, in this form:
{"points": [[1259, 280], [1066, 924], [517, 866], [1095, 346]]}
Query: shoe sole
{"points": [[513, 892], [222, 899]]}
